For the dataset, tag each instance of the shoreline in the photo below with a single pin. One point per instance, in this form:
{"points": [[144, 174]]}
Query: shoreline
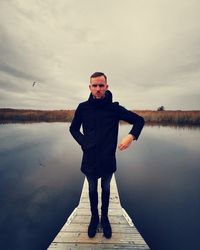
{"points": [[167, 117]]}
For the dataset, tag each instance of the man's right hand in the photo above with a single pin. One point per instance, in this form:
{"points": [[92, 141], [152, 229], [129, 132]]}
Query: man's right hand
{"points": [[126, 142]]}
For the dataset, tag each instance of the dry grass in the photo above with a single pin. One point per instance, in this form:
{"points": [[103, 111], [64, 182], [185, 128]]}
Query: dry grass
{"points": [[25, 115], [150, 116], [170, 117]]}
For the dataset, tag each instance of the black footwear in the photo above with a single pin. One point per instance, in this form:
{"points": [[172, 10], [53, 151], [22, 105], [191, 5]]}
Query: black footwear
{"points": [[93, 196], [92, 228], [107, 230]]}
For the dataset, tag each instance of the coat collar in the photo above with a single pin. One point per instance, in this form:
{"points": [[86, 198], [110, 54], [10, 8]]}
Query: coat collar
{"points": [[101, 102]]}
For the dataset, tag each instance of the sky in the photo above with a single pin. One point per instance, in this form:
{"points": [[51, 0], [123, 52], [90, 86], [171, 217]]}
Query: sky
{"points": [[149, 50]]}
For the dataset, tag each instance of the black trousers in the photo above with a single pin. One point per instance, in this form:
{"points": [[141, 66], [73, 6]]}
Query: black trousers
{"points": [[105, 195]]}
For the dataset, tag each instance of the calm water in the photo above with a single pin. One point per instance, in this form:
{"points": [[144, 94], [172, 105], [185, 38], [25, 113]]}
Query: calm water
{"points": [[158, 180]]}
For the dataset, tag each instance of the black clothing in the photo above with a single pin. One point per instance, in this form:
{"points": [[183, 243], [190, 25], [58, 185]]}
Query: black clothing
{"points": [[99, 119], [105, 194], [93, 182], [92, 228], [107, 230], [93, 197]]}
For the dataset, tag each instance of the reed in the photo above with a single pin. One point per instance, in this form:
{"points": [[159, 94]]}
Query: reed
{"points": [[170, 117], [23, 115], [151, 117]]}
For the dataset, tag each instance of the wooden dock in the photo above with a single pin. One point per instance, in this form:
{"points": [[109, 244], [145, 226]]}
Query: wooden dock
{"points": [[73, 234]]}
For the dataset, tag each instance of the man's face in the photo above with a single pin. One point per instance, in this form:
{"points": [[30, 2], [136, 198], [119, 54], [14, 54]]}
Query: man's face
{"points": [[98, 86]]}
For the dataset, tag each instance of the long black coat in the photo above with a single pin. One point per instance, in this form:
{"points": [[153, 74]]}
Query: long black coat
{"points": [[99, 119]]}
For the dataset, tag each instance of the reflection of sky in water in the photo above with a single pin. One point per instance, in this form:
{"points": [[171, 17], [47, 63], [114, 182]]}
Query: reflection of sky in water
{"points": [[41, 182], [158, 180], [38, 168]]}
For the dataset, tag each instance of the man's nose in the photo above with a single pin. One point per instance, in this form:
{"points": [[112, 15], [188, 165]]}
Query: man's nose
{"points": [[98, 88]]}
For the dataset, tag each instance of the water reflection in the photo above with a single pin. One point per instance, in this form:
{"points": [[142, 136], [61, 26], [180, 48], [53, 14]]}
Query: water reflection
{"points": [[41, 182], [161, 186]]}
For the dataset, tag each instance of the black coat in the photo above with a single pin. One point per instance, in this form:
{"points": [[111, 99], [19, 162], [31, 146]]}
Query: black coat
{"points": [[100, 119]]}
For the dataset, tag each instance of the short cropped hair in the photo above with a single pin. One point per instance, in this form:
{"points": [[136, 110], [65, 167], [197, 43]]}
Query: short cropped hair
{"points": [[97, 74]]}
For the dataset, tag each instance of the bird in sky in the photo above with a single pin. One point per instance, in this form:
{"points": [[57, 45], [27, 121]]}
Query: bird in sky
{"points": [[34, 83], [41, 164]]}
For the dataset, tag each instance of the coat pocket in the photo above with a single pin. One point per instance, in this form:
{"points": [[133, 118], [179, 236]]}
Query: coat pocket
{"points": [[88, 143], [89, 156]]}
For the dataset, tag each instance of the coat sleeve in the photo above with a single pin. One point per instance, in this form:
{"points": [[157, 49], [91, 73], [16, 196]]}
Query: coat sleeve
{"points": [[75, 126], [132, 118]]}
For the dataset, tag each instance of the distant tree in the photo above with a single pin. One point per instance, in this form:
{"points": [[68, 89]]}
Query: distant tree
{"points": [[161, 108]]}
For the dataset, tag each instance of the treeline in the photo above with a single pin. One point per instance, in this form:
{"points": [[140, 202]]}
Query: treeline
{"points": [[151, 117]]}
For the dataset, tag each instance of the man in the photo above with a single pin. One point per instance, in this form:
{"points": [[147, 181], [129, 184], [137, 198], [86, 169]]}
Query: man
{"points": [[99, 118]]}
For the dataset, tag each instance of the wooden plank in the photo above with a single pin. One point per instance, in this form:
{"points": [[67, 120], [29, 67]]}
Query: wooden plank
{"points": [[111, 206], [114, 200], [123, 228], [111, 212], [79, 237], [113, 219], [105, 246]]}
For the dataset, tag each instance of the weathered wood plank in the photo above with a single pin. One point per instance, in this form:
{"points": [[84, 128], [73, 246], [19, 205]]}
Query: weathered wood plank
{"points": [[111, 206], [113, 219], [79, 237], [123, 228], [114, 199], [111, 212], [81, 246]]}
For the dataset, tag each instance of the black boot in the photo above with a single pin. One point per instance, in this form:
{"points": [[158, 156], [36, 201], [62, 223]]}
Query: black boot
{"points": [[92, 228], [95, 215], [107, 230]]}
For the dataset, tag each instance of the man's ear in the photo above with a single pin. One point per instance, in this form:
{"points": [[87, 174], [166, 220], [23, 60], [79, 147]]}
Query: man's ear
{"points": [[89, 87], [107, 86]]}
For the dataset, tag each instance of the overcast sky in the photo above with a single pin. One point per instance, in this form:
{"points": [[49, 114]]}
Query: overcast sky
{"points": [[149, 50]]}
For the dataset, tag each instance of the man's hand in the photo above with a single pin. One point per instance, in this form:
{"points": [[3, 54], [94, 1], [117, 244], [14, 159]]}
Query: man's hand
{"points": [[126, 142]]}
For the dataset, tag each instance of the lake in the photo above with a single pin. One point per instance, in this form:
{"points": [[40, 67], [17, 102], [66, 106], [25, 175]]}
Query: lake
{"points": [[158, 180]]}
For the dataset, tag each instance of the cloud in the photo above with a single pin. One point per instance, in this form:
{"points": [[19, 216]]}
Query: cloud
{"points": [[146, 48]]}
